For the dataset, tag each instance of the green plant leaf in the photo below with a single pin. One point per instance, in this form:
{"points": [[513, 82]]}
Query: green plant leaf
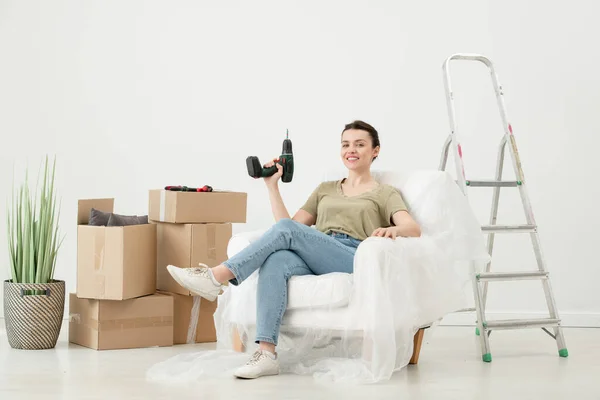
{"points": [[19, 235], [32, 228], [11, 246]]}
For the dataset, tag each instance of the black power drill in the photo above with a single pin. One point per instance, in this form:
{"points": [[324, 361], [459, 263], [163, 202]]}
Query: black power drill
{"points": [[286, 160]]}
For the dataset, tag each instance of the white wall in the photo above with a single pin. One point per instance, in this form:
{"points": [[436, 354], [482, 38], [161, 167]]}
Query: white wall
{"points": [[133, 95]]}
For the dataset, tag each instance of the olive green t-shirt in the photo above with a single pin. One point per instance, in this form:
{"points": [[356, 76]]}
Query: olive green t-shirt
{"points": [[357, 216]]}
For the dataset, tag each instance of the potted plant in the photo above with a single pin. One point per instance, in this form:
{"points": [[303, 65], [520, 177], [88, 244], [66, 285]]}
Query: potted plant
{"points": [[33, 300]]}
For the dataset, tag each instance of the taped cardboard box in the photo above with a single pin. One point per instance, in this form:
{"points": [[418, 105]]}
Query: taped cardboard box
{"points": [[116, 262], [193, 319], [195, 207], [108, 324], [187, 245]]}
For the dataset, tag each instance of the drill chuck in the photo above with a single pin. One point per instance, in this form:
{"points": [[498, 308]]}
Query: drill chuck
{"points": [[287, 147]]}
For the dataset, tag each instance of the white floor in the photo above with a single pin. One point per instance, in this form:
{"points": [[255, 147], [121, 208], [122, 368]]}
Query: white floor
{"points": [[525, 366]]}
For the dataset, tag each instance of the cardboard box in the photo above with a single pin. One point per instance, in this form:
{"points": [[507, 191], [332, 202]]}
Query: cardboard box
{"points": [[108, 324], [185, 307], [115, 263], [187, 245], [194, 207]]}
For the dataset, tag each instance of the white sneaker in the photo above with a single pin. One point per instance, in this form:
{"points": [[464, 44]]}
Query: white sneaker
{"points": [[199, 281], [261, 363]]}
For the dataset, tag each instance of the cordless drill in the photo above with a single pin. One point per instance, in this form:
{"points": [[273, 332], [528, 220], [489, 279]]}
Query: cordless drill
{"points": [[286, 160]]}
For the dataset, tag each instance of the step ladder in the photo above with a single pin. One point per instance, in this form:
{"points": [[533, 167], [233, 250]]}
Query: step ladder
{"points": [[481, 280]]}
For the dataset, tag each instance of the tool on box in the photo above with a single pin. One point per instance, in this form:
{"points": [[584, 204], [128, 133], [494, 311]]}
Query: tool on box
{"points": [[286, 160], [204, 188]]}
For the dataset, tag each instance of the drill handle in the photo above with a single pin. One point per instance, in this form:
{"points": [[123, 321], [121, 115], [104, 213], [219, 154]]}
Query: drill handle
{"points": [[269, 171]]}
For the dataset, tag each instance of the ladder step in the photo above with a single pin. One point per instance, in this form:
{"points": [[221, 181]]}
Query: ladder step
{"points": [[493, 183], [508, 228], [511, 276], [522, 323]]}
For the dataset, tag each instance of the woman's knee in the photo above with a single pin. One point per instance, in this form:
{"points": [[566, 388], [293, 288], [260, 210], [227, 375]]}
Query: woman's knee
{"points": [[286, 224]]}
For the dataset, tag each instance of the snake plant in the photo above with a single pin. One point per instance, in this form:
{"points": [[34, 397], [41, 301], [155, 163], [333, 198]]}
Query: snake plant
{"points": [[32, 222]]}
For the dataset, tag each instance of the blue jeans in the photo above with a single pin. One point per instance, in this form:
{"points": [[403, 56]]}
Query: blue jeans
{"points": [[288, 248]]}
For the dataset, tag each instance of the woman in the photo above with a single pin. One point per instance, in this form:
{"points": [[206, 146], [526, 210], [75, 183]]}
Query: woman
{"points": [[345, 213]]}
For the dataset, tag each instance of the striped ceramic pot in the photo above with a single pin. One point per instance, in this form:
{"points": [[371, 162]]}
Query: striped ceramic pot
{"points": [[33, 313]]}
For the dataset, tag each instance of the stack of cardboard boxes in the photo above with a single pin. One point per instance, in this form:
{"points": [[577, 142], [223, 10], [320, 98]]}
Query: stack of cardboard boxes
{"points": [[125, 298], [193, 228]]}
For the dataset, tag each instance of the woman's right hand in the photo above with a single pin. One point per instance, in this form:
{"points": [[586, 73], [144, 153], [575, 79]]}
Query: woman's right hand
{"points": [[271, 181]]}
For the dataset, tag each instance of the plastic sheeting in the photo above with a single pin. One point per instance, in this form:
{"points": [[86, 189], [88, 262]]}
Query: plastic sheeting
{"points": [[397, 286]]}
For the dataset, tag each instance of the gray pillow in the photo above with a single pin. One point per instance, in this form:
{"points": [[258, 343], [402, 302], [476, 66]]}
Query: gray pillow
{"points": [[125, 220], [98, 218]]}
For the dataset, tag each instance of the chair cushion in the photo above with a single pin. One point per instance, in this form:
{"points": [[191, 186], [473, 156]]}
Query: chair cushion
{"points": [[312, 291]]}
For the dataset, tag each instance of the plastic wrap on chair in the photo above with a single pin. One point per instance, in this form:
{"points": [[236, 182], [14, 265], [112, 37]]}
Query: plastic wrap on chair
{"points": [[193, 325], [398, 286]]}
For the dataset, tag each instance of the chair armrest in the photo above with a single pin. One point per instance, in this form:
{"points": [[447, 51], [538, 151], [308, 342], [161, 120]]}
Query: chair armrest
{"points": [[241, 240], [382, 257], [415, 279]]}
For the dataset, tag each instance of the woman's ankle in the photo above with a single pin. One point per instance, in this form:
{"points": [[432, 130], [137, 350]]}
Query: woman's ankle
{"points": [[270, 347], [222, 274]]}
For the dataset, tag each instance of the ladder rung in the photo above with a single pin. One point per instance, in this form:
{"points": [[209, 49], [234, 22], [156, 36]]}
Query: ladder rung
{"points": [[508, 228], [492, 183], [511, 276], [522, 323]]}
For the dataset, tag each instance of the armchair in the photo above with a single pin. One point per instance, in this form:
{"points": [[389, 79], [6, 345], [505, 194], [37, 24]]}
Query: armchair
{"points": [[368, 324]]}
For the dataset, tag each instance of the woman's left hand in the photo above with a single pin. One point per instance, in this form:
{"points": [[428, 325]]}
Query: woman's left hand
{"points": [[385, 232]]}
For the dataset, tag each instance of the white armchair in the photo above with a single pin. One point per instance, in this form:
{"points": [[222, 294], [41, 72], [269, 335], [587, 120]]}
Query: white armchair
{"points": [[375, 315]]}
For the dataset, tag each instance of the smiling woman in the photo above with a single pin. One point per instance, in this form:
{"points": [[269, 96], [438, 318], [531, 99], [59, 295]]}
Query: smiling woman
{"points": [[345, 213], [360, 147], [358, 140]]}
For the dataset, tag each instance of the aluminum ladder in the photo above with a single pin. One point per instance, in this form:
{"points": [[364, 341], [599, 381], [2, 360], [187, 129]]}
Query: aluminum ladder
{"points": [[481, 280]]}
